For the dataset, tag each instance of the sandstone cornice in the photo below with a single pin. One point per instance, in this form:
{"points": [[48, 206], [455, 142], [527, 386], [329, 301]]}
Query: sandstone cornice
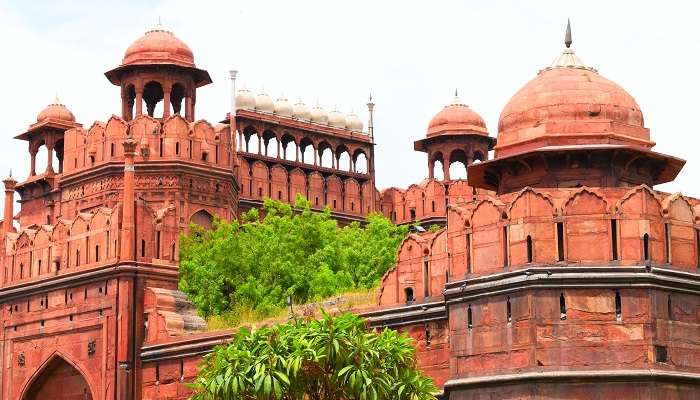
{"points": [[183, 347], [624, 375], [556, 277]]}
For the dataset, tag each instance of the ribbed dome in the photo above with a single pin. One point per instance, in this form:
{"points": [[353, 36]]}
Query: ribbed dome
{"points": [[569, 103], [301, 111], [354, 123], [56, 110], [336, 119], [245, 99], [159, 46], [283, 107], [318, 114], [263, 102], [456, 117]]}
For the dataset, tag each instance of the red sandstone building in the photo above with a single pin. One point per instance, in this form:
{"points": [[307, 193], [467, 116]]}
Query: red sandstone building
{"points": [[559, 273]]}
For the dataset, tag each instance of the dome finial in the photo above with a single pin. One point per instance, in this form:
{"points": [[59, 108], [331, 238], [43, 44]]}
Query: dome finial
{"points": [[567, 37], [456, 95]]}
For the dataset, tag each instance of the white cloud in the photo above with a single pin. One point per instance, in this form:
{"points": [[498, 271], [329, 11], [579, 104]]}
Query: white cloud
{"points": [[411, 55]]}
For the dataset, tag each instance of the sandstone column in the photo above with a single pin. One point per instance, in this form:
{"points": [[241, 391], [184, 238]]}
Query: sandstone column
{"points": [[9, 204], [128, 234]]}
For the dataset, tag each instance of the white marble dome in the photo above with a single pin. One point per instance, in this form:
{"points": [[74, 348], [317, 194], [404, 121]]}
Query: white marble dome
{"points": [[283, 107], [318, 114], [336, 119], [301, 111], [354, 123], [263, 102], [245, 99]]}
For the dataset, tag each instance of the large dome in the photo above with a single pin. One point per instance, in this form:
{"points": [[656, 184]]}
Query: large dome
{"points": [[569, 103], [456, 117], [56, 111], [159, 46]]}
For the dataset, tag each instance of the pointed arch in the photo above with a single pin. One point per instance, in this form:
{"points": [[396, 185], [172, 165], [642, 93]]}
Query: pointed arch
{"points": [[202, 218], [48, 378]]}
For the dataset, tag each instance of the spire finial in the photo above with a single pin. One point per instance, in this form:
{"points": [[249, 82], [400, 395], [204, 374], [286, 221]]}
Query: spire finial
{"points": [[567, 38], [10, 172], [456, 95]]}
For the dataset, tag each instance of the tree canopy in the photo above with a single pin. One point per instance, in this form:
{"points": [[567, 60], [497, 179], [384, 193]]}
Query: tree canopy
{"points": [[292, 251], [331, 358]]}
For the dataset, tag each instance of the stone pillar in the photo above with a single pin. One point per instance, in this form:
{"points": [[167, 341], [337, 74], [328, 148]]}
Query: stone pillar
{"points": [[32, 168], [128, 235], [166, 103], [296, 149], [315, 157], [431, 174], [278, 150], [49, 160], [259, 145], [139, 102], [446, 170], [10, 184]]}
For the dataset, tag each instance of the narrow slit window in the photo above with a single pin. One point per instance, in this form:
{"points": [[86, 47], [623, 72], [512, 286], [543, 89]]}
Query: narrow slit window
{"points": [[613, 238], [618, 305], [509, 314], [505, 246], [428, 338], [529, 248], [645, 246], [177, 148], [143, 248], [697, 247], [667, 238], [426, 279], [560, 241], [562, 307], [158, 244], [97, 253], [470, 321], [469, 253], [111, 149], [669, 307], [160, 147]]}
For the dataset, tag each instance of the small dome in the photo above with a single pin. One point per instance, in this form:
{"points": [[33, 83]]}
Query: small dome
{"points": [[245, 99], [301, 111], [263, 102], [159, 46], [336, 119], [456, 117], [56, 110], [283, 107], [354, 123], [318, 114]]}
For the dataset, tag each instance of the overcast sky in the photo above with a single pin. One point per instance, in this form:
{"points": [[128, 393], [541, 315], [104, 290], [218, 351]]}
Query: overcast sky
{"points": [[411, 55]]}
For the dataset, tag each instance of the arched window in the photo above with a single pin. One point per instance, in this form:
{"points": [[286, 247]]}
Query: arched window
{"points": [[645, 246], [560, 241], [470, 321], [509, 314], [203, 219], [618, 305]]}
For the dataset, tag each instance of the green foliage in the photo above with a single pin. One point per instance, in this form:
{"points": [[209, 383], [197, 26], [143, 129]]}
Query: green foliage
{"points": [[331, 358], [290, 252], [434, 228]]}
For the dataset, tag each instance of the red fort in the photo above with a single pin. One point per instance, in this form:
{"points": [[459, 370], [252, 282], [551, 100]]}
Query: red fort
{"points": [[559, 271]]}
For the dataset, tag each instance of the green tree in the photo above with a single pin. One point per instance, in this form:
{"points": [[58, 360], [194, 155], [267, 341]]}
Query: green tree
{"points": [[331, 358], [291, 251]]}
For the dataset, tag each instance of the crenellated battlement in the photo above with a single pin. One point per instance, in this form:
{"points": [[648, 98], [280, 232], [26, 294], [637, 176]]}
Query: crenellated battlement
{"points": [[578, 226], [173, 139]]}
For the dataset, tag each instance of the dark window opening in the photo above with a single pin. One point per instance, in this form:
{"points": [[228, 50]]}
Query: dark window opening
{"points": [[426, 279], [505, 246], [509, 315], [317, 200], [560, 241], [618, 305], [433, 205], [352, 206], [158, 244], [661, 354], [259, 192], [85, 293], [190, 149], [409, 295], [21, 271], [279, 195], [613, 238], [111, 149], [97, 253], [413, 214], [77, 257], [667, 237], [39, 266], [645, 246], [177, 148], [669, 308], [468, 254], [92, 160], [562, 307], [143, 248], [204, 156], [428, 338], [160, 147], [470, 321], [529, 249], [172, 252], [334, 204]]}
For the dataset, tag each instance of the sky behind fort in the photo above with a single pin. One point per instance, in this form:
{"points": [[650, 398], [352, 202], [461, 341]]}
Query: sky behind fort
{"points": [[411, 55]]}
